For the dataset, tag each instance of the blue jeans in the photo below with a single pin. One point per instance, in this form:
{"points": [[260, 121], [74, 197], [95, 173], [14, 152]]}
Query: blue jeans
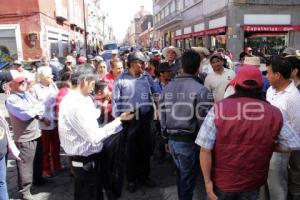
{"points": [[237, 195], [3, 186], [185, 156]]}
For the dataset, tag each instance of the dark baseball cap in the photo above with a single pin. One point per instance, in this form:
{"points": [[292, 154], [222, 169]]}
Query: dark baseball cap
{"points": [[137, 56]]}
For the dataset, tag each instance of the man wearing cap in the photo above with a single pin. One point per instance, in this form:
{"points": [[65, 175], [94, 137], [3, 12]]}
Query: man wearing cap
{"points": [[172, 54], [217, 81], [233, 134], [183, 104], [284, 95], [25, 112], [132, 93], [163, 74], [19, 67]]}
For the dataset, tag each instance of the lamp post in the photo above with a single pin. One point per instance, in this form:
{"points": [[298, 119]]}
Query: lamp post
{"points": [[85, 32], [103, 31]]}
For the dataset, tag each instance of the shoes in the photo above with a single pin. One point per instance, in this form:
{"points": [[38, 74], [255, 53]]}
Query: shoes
{"points": [[131, 187], [41, 182], [147, 182], [27, 196]]}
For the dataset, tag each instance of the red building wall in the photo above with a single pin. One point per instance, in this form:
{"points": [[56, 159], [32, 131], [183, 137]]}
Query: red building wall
{"points": [[34, 16]]}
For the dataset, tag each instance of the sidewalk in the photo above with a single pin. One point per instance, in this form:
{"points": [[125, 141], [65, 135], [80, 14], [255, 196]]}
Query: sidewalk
{"points": [[61, 187]]}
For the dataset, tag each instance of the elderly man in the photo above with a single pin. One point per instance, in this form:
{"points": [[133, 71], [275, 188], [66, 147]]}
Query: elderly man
{"points": [[25, 112], [233, 134], [172, 54], [132, 92]]}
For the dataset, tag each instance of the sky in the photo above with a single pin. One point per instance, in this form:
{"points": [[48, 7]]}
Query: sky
{"points": [[121, 12]]}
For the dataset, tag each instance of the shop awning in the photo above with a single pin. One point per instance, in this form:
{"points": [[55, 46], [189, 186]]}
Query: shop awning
{"points": [[184, 36], [215, 31], [270, 28]]}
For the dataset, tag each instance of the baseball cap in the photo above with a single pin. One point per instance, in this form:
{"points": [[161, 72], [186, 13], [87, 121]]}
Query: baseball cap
{"points": [[17, 62], [164, 67], [15, 76], [81, 59], [246, 74], [90, 57], [136, 56], [114, 52], [98, 58]]}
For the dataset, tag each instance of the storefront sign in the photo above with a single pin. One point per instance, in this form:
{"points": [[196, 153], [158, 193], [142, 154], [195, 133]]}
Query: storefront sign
{"points": [[216, 31], [184, 36], [270, 28]]}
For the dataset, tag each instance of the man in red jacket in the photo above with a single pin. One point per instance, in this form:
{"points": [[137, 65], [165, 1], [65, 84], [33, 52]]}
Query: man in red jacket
{"points": [[238, 137]]}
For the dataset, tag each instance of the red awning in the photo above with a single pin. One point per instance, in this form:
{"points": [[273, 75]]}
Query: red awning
{"points": [[216, 31], [200, 33], [184, 36], [270, 28]]}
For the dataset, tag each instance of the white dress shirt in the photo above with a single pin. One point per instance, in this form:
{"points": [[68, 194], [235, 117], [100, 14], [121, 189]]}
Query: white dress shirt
{"points": [[79, 131], [288, 101]]}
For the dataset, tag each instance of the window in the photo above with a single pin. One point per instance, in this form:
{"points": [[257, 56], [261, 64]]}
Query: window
{"points": [[172, 7], [179, 5], [188, 3]]}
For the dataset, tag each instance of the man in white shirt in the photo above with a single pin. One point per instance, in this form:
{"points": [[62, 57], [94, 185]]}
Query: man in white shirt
{"points": [[80, 135], [284, 95], [217, 81]]}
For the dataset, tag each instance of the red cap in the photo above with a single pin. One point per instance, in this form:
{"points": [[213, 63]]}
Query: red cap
{"points": [[81, 59], [19, 79], [248, 74]]}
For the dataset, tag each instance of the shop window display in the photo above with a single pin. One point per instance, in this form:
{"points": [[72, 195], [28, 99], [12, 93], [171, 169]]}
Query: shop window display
{"points": [[268, 44]]}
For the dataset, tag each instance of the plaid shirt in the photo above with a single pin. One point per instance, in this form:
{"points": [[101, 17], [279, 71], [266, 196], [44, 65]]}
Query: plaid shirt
{"points": [[206, 137]]}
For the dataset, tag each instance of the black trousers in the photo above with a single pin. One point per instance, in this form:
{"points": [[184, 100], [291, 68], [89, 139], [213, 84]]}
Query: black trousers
{"points": [[139, 147], [87, 177], [30, 166]]}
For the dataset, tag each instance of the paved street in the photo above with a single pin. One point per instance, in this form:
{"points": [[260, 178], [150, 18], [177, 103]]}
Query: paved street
{"points": [[61, 186]]}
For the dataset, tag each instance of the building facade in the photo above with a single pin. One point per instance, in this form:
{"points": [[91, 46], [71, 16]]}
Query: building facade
{"points": [[266, 26], [47, 28]]}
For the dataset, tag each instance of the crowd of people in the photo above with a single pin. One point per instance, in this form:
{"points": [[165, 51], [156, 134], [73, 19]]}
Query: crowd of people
{"points": [[236, 124]]}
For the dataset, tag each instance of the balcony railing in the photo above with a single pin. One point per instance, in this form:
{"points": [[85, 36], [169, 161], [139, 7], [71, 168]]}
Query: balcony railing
{"points": [[171, 18]]}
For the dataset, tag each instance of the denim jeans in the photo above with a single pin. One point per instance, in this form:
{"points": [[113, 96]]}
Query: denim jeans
{"points": [[3, 186], [237, 195], [185, 156]]}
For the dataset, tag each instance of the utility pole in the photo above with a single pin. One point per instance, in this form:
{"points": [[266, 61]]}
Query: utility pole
{"points": [[84, 23]]}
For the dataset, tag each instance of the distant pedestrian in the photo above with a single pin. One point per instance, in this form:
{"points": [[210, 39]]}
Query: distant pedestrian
{"points": [[172, 55]]}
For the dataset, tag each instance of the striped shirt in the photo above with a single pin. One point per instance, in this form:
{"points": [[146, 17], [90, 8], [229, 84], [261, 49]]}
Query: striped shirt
{"points": [[79, 131]]}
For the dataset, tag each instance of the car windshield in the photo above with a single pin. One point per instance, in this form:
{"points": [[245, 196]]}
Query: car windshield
{"points": [[110, 46]]}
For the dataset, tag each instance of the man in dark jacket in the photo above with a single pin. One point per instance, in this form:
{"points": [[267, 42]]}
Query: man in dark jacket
{"points": [[184, 102]]}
